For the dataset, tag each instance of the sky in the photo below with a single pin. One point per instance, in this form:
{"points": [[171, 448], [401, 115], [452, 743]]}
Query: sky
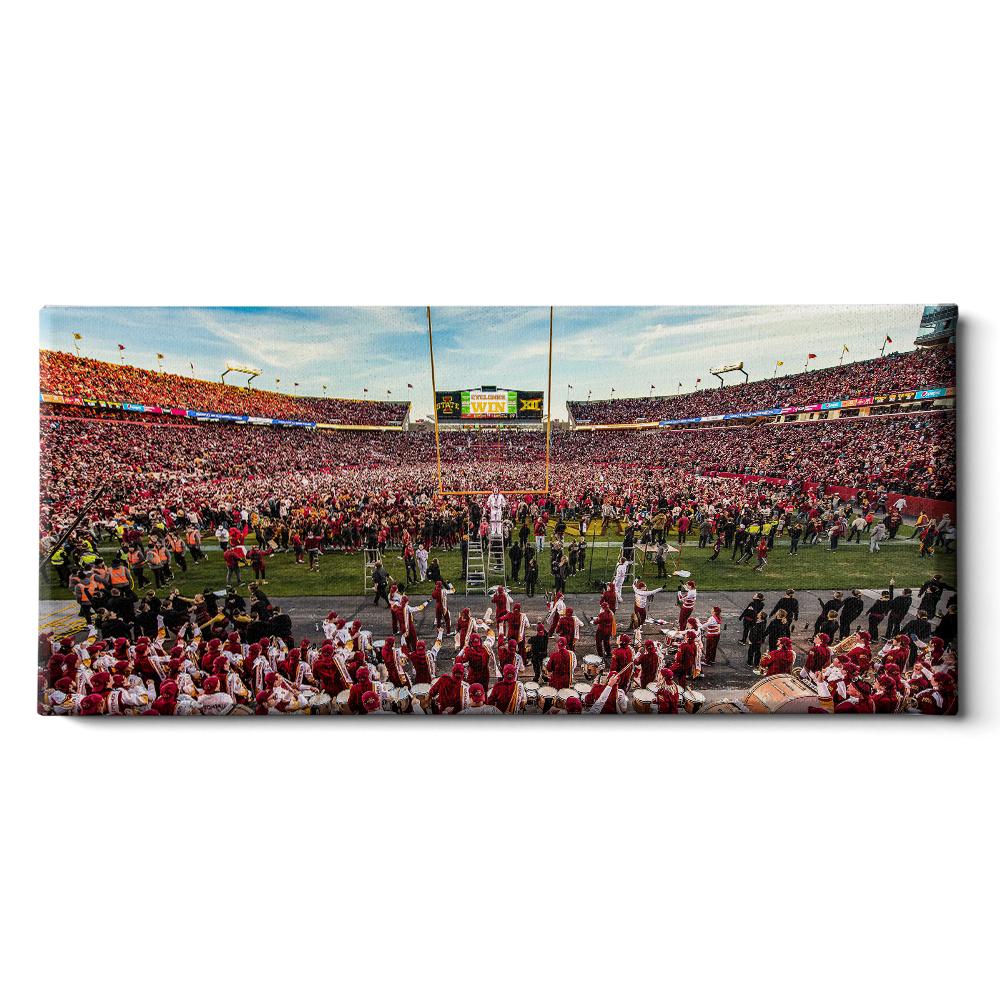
{"points": [[381, 349]]}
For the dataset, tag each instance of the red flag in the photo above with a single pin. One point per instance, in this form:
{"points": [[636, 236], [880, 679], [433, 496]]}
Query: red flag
{"points": [[697, 380], [409, 385], [388, 392], [888, 340], [652, 387], [812, 355], [366, 390], [121, 347], [296, 383]]}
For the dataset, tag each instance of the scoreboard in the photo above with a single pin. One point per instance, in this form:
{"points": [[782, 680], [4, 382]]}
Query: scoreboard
{"points": [[489, 403]]}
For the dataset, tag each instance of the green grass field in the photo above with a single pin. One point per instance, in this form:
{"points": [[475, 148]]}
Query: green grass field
{"points": [[814, 568]]}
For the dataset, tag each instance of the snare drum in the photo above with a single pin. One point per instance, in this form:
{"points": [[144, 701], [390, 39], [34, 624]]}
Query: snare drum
{"points": [[642, 701], [781, 693], [388, 694], [546, 693], [694, 701], [531, 689], [377, 649], [653, 686], [582, 690], [422, 692], [592, 665], [241, 710], [562, 695], [321, 704], [342, 703], [401, 700]]}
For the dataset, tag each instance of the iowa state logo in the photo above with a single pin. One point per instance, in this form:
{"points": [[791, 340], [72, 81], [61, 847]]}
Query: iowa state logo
{"points": [[533, 405], [447, 406]]}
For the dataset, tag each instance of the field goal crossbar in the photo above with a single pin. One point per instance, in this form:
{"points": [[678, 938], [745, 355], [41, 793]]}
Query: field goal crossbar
{"points": [[437, 438]]}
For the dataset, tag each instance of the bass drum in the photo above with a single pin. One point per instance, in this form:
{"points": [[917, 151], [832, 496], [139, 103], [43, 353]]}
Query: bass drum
{"points": [[781, 694], [725, 708], [592, 665]]}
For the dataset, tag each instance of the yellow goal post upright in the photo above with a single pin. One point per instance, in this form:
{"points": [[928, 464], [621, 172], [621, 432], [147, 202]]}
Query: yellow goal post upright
{"points": [[437, 438]]}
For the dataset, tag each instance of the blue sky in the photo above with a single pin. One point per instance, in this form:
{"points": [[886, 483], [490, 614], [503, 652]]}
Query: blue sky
{"points": [[349, 349]]}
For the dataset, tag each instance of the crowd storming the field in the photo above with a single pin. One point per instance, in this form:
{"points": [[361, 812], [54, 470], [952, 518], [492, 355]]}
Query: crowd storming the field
{"points": [[176, 489]]}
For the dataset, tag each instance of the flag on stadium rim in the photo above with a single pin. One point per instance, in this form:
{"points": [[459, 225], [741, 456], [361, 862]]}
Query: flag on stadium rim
{"points": [[409, 385], [160, 356], [780, 363], [121, 347], [652, 387], [388, 392], [888, 340], [78, 336], [845, 348], [568, 386], [812, 355]]}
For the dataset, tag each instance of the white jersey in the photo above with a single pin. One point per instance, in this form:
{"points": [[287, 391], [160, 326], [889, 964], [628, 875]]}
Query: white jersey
{"points": [[642, 595], [495, 504]]}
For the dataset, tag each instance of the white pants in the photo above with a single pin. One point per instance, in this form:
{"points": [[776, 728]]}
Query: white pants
{"points": [[874, 546]]}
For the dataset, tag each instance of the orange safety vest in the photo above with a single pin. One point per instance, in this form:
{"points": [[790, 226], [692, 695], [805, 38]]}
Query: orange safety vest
{"points": [[177, 545], [88, 589], [192, 536], [119, 576], [135, 557]]}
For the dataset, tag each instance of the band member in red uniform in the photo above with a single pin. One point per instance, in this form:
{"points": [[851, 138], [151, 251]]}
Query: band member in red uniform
{"points": [[668, 695], [449, 695], [621, 662], [441, 612], [508, 695], [615, 703], [556, 609], [642, 595], [688, 597], [684, 660], [500, 603], [605, 629], [649, 663], [357, 690], [713, 629], [464, 628], [423, 665], [568, 628], [394, 601], [561, 664], [610, 598], [355, 663], [407, 626], [394, 659], [515, 626], [781, 660], [477, 657], [818, 658]]}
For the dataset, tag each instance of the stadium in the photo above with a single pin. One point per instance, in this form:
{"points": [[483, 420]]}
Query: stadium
{"points": [[780, 545]]}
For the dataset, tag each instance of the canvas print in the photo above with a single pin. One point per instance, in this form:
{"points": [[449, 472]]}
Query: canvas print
{"points": [[636, 511]]}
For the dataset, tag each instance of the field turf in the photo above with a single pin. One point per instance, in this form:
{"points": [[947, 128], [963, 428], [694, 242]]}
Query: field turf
{"points": [[815, 568]]}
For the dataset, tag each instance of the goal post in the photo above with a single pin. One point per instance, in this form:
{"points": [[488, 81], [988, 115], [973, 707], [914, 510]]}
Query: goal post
{"points": [[437, 436]]}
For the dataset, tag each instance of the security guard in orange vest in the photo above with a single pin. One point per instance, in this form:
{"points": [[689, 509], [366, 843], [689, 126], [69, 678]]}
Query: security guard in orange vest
{"points": [[194, 544], [137, 564], [156, 557], [85, 593], [121, 579], [177, 547]]}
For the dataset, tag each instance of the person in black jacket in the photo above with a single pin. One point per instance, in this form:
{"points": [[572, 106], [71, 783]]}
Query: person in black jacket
{"points": [[530, 573], [918, 630], [280, 626], [777, 629], [738, 539], [790, 605], [539, 644], [850, 610], [516, 555], [749, 616], [899, 608], [829, 627], [948, 627], [930, 593], [834, 604], [794, 534], [257, 629], [730, 532], [876, 613], [757, 634], [145, 621]]}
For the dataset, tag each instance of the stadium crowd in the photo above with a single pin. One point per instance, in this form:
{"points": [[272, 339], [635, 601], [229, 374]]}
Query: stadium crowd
{"points": [[899, 372], [65, 374]]}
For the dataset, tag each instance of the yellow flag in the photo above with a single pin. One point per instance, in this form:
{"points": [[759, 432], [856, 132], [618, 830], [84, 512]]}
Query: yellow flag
{"points": [[781, 362], [160, 356], [845, 348], [77, 336]]}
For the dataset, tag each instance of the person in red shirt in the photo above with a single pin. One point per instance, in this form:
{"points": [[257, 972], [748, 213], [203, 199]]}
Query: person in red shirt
{"points": [[668, 695], [442, 616], [649, 663], [561, 664], [781, 660], [477, 656], [363, 685], [621, 662], [449, 695], [683, 523], [605, 629], [684, 659], [500, 603], [610, 597]]}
